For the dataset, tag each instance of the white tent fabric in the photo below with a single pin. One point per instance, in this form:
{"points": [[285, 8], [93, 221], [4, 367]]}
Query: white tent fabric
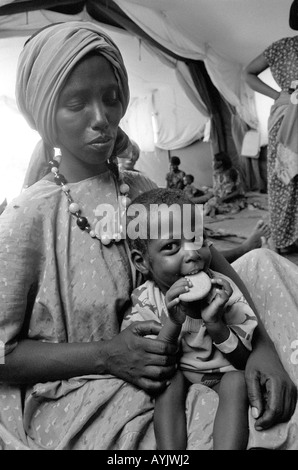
{"points": [[143, 67], [226, 34], [164, 27]]}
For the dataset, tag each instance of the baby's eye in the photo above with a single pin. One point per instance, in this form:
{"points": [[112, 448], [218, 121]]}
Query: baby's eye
{"points": [[170, 246]]}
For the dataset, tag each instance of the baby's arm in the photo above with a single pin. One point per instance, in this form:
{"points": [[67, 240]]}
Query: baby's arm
{"points": [[169, 411], [171, 329], [222, 336]]}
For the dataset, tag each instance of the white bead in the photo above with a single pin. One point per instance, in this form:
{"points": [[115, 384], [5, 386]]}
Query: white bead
{"points": [[54, 169], [65, 188], [105, 239], [124, 188], [125, 201], [92, 234], [74, 207], [117, 237]]}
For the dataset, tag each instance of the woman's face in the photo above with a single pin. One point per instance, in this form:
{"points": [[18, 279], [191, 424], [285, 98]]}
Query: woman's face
{"points": [[88, 112]]}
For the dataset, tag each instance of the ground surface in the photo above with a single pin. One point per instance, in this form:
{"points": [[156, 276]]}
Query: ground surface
{"points": [[232, 229]]}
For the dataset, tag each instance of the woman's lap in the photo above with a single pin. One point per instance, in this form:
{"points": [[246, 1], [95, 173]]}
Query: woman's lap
{"points": [[272, 283], [102, 412]]}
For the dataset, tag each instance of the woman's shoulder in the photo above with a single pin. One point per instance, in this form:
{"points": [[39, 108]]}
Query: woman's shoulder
{"points": [[281, 45], [36, 198], [23, 220], [43, 189]]}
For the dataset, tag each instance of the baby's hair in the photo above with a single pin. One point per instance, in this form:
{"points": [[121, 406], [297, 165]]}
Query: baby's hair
{"points": [[154, 196]]}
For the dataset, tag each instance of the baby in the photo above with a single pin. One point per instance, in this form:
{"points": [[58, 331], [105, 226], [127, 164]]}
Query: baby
{"points": [[213, 325]]}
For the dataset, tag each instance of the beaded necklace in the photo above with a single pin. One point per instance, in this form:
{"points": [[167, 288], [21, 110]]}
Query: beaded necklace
{"points": [[75, 210]]}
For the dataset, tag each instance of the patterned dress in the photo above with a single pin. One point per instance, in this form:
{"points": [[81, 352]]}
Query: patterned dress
{"points": [[282, 57], [87, 304]]}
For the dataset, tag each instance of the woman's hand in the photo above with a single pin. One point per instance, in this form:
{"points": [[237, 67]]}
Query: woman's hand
{"points": [[271, 392], [283, 97], [144, 362]]}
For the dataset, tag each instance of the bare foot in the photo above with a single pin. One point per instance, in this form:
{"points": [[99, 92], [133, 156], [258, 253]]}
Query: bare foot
{"points": [[259, 236]]}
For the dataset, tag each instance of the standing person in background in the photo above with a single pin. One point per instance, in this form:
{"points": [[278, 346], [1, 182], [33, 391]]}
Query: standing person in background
{"points": [[174, 178], [282, 59]]}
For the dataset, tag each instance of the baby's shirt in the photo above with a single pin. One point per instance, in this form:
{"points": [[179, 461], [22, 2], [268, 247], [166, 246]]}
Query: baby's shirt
{"points": [[199, 352]]}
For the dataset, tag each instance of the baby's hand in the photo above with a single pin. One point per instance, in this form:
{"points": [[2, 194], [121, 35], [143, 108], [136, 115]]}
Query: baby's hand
{"points": [[175, 308], [220, 293]]}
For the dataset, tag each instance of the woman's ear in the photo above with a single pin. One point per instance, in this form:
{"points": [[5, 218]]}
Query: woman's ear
{"points": [[140, 262]]}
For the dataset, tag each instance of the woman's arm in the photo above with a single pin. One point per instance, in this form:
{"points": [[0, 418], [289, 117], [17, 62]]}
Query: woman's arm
{"points": [[219, 333], [144, 362], [251, 72], [272, 394]]}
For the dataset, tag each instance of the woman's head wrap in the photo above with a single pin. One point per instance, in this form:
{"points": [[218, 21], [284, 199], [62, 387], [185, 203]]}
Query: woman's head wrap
{"points": [[44, 64]]}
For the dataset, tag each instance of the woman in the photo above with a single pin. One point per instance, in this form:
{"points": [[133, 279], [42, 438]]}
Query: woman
{"points": [[282, 59], [229, 196], [70, 380]]}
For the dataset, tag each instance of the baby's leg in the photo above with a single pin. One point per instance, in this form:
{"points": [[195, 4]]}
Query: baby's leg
{"points": [[231, 421], [169, 415]]}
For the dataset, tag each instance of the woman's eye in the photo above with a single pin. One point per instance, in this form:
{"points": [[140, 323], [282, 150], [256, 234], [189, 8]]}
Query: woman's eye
{"points": [[111, 97], [75, 105]]}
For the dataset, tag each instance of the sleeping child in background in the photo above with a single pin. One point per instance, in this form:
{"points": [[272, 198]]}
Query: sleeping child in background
{"points": [[202, 311]]}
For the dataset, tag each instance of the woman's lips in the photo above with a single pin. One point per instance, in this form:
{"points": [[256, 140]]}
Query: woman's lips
{"points": [[99, 144], [100, 140]]}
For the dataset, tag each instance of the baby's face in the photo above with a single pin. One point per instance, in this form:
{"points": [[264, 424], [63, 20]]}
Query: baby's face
{"points": [[173, 254]]}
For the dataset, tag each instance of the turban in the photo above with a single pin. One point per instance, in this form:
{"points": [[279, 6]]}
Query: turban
{"points": [[44, 65], [46, 61]]}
